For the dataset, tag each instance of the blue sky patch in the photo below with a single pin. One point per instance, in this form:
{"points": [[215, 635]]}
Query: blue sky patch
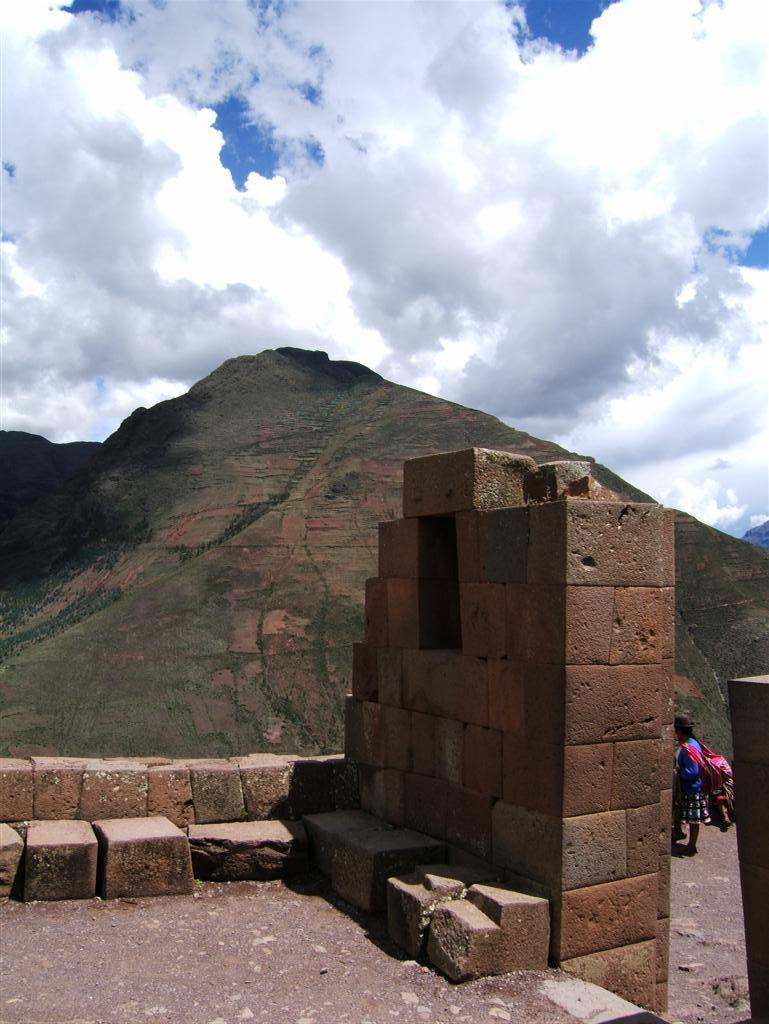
{"points": [[247, 146], [566, 22], [755, 254], [109, 10]]}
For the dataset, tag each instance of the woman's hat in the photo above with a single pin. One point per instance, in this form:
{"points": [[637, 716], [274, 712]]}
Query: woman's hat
{"points": [[683, 721]]}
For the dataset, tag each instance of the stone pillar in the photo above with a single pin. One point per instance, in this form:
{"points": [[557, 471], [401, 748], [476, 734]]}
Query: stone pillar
{"points": [[513, 696], [749, 703]]}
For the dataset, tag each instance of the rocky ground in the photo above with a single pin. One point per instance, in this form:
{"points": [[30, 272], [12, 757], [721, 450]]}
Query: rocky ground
{"points": [[272, 952]]}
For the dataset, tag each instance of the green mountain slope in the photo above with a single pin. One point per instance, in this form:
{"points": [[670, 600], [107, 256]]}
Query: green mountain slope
{"points": [[196, 588]]}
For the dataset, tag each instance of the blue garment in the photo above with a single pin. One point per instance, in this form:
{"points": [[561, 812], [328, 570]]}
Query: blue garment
{"points": [[688, 771]]}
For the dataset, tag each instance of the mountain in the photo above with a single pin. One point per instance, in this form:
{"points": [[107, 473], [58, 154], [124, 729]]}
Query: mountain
{"points": [[758, 535], [31, 466], [196, 587]]}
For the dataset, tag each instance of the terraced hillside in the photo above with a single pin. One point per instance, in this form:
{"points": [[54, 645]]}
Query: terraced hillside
{"points": [[195, 589]]}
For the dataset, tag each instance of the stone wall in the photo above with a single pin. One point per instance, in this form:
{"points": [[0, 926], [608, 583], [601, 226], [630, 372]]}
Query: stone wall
{"points": [[749, 703], [187, 792], [513, 696]]}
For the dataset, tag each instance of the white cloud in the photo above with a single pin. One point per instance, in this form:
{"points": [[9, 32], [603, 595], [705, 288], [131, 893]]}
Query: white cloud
{"points": [[702, 501], [507, 225]]}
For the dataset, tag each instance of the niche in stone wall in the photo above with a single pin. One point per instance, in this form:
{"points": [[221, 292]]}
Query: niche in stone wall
{"points": [[439, 618]]}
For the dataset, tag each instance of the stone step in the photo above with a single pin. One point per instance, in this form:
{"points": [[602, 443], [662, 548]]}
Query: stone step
{"points": [[142, 857], [240, 850], [60, 861], [324, 830]]}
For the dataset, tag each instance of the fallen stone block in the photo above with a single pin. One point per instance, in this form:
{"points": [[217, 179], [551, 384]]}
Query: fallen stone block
{"points": [[324, 830], [142, 857], [238, 850], [463, 941], [15, 789], [60, 861], [363, 861], [11, 850], [413, 898], [524, 923]]}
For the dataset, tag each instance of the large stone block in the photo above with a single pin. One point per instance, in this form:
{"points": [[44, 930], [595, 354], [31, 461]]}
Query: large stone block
{"points": [[636, 637], [11, 850], [346, 785], [447, 684], [594, 849], [411, 903], [524, 922], [612, 702], [373, 795], [58, 783], [755, 900], [265, 781], [482, 607], [587, 774], [506, 696], [668, 547], [423, 613], [589, 618], [423, 742], [424, 548], [553, 481], [475, 478], [527, 843], [16, 789], [169, 794], [532, 774], [376, 628], [493, 546], [598, 543], [544, 703], [604, 916], [425, 804], [323, 831], [536, 622], [113, 789], [363, 862], [312, 785], [238, 850], [396, 728], [390, 675], [463, 942], [749, 704], [667, 643], [643, 839], [468, 820], [449, 748], [143, 857], [663, 885], [482, 760], [663, 950], [628, 971], [395, 796], [60, 861], [751, 786], [364, 735], [635, 779], [365, 672], [217, 793]]}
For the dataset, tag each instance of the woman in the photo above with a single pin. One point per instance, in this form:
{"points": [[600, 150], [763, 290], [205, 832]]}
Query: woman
{"points": [[692, 809]]}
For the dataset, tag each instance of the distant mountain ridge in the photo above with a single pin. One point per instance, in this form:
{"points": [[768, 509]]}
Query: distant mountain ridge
{"points": [[758, 535], [196, 588]]}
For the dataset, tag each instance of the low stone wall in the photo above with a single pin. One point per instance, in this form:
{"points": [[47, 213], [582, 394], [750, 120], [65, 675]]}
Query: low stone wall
{"points": [[187, 792]]}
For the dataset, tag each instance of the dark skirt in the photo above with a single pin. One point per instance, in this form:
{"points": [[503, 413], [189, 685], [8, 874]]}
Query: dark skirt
{"points": [[694, 808]]}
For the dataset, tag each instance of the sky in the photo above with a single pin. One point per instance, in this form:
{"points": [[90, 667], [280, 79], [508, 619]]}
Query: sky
{"points": [[555, 211]]}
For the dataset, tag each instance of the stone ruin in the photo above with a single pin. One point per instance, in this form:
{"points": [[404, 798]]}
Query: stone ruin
{"points": [[505, 794]]}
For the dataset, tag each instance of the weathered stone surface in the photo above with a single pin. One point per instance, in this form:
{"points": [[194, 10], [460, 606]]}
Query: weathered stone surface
{"points": [[60, 861], [635, 778], [589, 613], [587, 778], [599, 917], [365, 675], [410, 907], [594, 849], [395, 796], [344, 779], [612, 702], [424, 730], [527, 843], [113, 790], [390, 675], [598, 543], [143, 857], [629, 971], [265, 780], [312, 785], [58, 785], [463, 941], [532, 774], [751, 782], [16, 791], [425, 804], [468, 820], [365, 860], [447, 684], [552, 481], [377, 633], [11, 850], [373, 793], [216, 791], [536, 622], [364, 735], [524, 922], [493, 546], [662, 959], [449, 747], [396, 727], [482, 760], [237, 850], [323, 831], [482, 608], [506, 696], [476, 478], [643, 845], [749, 704], [637, 626], [755, 900], [424, 548], [169, 794]]}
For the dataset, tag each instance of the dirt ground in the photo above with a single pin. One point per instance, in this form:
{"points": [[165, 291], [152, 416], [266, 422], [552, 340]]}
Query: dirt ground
{"points": [[251, 951]]}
